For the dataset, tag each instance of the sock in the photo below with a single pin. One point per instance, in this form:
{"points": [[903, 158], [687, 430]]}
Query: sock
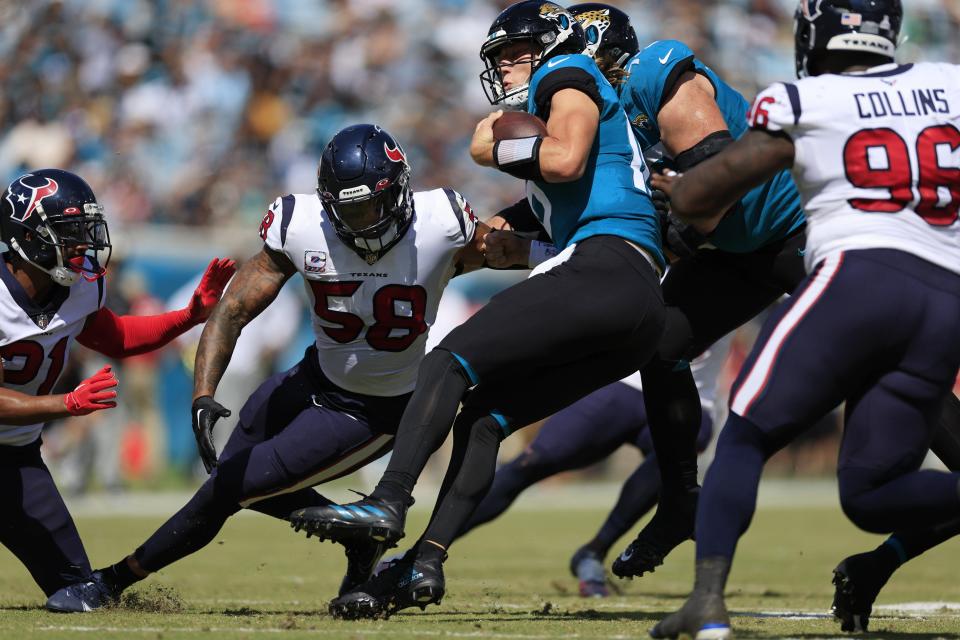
{"points": [[120, 575], [729, 495], [509, 482], [468, 481], [674, 415], [907, 545], [637, 496], [441, 384]]}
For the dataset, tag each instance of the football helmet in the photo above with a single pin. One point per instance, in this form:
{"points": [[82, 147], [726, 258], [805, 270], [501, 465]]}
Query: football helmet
{"points": [[608, 33], [547, 26], [364, 184], [864, 26], [51, 218]]}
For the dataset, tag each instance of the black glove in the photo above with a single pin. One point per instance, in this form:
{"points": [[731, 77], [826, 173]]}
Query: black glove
{"points": [[678, 236], [206, 411]]}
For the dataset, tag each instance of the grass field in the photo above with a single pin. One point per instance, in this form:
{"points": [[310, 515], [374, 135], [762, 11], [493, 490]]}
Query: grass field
{"points": [[508, 580]]}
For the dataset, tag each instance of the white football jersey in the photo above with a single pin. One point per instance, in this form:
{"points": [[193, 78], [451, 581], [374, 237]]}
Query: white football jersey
{"points": [[371, 320], [877, 158], [35, 342]]}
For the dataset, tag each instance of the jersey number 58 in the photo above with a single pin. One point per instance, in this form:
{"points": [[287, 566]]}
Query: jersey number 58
{"points": [[385, 314]]}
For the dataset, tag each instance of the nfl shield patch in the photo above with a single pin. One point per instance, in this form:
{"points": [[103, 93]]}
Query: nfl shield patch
{"points": [[314, 262]]}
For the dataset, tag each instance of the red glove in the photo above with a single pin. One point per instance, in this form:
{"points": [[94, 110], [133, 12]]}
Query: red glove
{"points": [[211, 287], [93, 394]]}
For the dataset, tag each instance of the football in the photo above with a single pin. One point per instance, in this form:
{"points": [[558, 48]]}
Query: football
{"points": [[518, 124]]}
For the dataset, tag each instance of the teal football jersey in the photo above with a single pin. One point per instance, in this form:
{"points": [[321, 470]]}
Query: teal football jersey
{"points": [[765, 214], [612, 197]]}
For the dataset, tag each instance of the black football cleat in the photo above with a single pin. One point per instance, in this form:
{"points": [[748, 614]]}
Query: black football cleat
{"points": [[403, 585], [362, 521], [362, 558], [586, 565], [671, 525], [857, 581], [702, 617], [84, 596]]}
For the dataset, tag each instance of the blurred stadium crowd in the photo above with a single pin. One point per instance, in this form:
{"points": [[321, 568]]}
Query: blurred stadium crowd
{"points": [[191, 116]]}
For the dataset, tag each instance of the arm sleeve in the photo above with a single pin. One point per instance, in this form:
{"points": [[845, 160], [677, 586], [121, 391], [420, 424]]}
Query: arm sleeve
{"points": [[521, 219], [124, 336], [776, 109]]}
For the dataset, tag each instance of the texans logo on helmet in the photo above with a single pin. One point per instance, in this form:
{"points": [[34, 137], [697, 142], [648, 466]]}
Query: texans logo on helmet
{"points": [[24, 197], [395, 154], [811, 9]]}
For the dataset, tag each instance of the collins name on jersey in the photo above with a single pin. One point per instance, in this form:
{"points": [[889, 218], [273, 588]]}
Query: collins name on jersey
{"points": [[877, 158], [371, 320]]}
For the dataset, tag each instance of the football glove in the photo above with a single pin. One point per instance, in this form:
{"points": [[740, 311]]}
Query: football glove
{"points": [[211, 287], [93, 394], [677, 236], [206, 412]]}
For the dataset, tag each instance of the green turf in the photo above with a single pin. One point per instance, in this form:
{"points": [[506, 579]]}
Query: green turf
{"points": [[507, 580]]}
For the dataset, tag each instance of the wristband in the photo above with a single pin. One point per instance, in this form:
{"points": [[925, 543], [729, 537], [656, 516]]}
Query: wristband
{"points": [[540, 252], [520, 157]]}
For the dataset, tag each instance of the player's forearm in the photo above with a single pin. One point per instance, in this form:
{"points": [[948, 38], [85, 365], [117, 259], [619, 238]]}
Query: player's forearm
{"points": [[561, 161], [18, 409], [125, 336], [216, 346]]}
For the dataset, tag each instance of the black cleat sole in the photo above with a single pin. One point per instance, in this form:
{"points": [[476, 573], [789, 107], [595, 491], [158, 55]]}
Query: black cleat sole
{"points": [[342, 531]]}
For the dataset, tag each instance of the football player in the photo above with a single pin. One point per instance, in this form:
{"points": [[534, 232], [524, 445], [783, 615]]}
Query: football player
{"points": [[681, 113], [375, 257], [52, 295], [585, 433], [545, 342], [873, 147]]}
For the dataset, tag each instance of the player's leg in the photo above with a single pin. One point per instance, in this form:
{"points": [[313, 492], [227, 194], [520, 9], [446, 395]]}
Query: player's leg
{"points": [[531, 324], [859, 578], [707, 296], [580, 435], [36, 526], [491, 412], [888, 430], [827, 332]]}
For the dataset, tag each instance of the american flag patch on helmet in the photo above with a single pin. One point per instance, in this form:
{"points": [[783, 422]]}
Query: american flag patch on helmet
{"points": [[851, 19]]}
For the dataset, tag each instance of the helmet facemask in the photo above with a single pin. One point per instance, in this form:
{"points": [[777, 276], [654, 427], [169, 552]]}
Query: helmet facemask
{"points": [[371, 223], [492, 78], [67, 247]]}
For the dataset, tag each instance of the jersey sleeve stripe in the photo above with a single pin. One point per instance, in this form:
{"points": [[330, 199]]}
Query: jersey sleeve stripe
{"points": [[457, 211], [286, 216], [794, 94], [680, 68]]}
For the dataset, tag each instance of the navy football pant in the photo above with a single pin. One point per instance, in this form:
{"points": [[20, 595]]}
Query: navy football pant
{"points": [[707, 295], [35, 524], [580, 435], [876, 328], [286, 441]]}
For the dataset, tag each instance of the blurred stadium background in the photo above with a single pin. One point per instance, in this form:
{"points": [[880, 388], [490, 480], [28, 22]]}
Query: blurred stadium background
{"points": [[188, 117]]}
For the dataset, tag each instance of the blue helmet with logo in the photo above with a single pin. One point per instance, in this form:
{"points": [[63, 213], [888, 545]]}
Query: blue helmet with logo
{"points": [[364, 184], [52, 220], [607, 30], [550, 29]]}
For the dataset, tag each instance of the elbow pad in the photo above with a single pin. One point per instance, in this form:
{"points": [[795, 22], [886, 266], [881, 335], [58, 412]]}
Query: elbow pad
{"points": [[709, 146]]}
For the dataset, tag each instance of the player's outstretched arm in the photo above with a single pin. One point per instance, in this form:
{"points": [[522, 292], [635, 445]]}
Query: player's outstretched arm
{"points": [[704, 192], [254, 287], [93, 394], [124, 336], [471, 257]]}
